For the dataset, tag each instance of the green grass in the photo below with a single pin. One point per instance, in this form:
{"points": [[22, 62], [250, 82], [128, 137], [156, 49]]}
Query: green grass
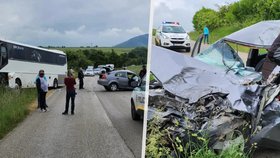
{"points": [[14, 107], [219, 33], [135, 68], [104, 49], [158, 145]]}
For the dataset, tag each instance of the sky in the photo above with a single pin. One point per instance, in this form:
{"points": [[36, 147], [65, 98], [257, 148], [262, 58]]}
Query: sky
{"points": [[182, 11], [73, 22]]}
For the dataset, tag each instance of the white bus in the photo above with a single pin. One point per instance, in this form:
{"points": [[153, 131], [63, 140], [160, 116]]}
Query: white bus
{"points": [[20, 64]]}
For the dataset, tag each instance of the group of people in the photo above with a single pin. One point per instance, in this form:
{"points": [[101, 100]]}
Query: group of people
{"points": [[70, 82], [42, 89]]}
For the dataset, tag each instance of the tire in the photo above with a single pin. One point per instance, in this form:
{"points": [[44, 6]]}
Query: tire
{"points": [[188, 49], [55, 83], [107, 88], [259, 66], [18, 84], [113, 87], [134, 114]]}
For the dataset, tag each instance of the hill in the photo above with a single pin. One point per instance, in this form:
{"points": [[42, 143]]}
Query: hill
{"points": [[138, 41]]}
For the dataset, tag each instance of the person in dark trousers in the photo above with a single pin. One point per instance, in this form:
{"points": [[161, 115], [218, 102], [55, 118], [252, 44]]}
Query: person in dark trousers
{"points": [[42, 88], [206, 34], [38, 95], [69, 82], [81, 78], [143, 72]]}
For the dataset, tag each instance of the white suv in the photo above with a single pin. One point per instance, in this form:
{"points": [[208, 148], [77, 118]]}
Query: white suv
{"points": [[172, 35]]}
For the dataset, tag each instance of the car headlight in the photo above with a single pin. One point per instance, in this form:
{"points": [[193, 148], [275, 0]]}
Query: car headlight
{"points": [[164, 36], [187, 37]]}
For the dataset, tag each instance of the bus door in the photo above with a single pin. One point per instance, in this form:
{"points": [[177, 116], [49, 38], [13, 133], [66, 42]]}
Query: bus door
{"points": [[3, 56]]}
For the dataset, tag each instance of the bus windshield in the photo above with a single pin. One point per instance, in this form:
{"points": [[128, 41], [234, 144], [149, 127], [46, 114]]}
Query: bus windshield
{"points": [[3, 57]]}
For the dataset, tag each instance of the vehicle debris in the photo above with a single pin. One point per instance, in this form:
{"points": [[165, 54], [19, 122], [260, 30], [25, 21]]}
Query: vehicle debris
{"points": [[225, 100]]}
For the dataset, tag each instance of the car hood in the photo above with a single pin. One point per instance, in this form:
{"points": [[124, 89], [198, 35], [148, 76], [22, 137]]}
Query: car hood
{"points": [[259, 35], [191, 79]]}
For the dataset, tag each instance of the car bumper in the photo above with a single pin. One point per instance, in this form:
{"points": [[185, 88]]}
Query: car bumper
{"points": [[169, 43], [102, 82]]}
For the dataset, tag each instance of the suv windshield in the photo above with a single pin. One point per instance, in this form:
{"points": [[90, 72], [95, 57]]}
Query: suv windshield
{"points": [[173, 29]]}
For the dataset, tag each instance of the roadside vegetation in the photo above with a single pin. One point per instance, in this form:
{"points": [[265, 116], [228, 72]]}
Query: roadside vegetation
{"points": [[103, 49], [14, 107], [95, 57], [162, 143], [232, 17]]}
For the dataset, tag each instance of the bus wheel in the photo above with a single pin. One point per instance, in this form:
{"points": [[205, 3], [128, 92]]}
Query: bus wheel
{"points": [[18, 84], [55, 84]]}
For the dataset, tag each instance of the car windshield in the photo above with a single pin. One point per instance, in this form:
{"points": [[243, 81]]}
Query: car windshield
{"points": [[222, 55], [173, 29]]}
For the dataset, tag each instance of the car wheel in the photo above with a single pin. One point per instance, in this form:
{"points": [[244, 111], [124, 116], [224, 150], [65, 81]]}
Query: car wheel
{"points": [[134, 114], [55, 84], [113, 87], [188, 49]]}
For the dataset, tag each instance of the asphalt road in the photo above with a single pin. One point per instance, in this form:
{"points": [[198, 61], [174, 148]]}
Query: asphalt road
{"points": [[101, 127]]}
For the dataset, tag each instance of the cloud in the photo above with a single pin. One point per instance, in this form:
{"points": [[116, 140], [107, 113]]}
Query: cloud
{"points": [[73, 23], [134, 31]]}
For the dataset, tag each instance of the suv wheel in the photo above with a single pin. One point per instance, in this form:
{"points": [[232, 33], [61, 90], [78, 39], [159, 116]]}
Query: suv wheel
{"points": [[134, 114]]}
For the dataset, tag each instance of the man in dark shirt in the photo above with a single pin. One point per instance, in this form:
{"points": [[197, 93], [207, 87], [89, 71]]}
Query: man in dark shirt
{"points": [[143, 72], [81, 78], [69, 82]]}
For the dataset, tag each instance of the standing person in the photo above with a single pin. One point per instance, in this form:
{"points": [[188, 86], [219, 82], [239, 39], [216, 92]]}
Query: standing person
{"points": [[143, 72], [206, 34], [69, 82], [42, 88], [38, 93], [81, 78]]}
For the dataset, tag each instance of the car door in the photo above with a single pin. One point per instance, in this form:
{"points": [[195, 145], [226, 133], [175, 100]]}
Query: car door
{"points": [[197, 46], [122, 80]]}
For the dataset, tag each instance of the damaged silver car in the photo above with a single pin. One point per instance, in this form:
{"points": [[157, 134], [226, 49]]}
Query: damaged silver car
{"points": [[215, 92]]}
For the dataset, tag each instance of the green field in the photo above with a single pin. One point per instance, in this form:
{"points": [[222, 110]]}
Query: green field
{"points": [[104, 49], [14, 108]]}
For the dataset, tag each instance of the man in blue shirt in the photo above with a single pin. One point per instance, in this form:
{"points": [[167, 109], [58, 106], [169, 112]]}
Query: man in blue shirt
{"points": [[206, 34]]}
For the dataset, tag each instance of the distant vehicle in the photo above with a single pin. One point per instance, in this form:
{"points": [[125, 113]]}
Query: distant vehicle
{"points": [[97, 71], [119, 79], [89, 72], [138, 100], [90, 67], [20, 64], [172, 35], [111, 65], [101, 66]]}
